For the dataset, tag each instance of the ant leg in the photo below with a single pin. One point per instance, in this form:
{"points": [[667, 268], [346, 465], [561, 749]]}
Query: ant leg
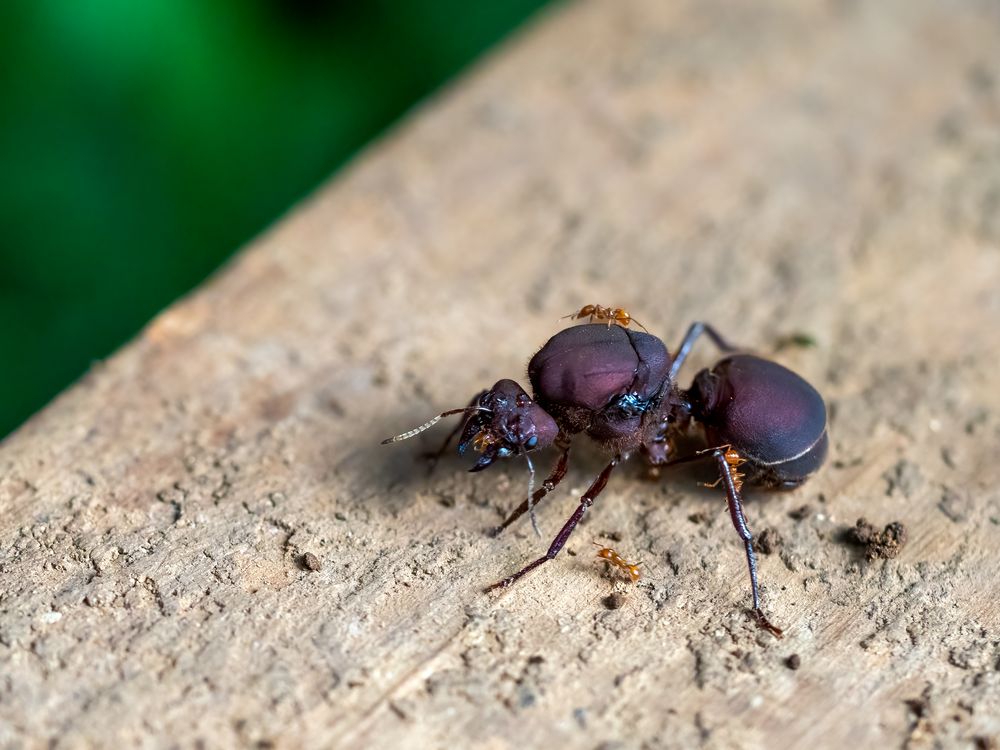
{"points": [[693, 332], [735, 505], [740, 522], [696, 456], [559, 542], [433, 457], [547, 486]]}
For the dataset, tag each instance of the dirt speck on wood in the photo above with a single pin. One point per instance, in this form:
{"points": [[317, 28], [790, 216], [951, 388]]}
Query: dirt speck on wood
{"points": [[768, 541], [886, 544], [614, 600]]}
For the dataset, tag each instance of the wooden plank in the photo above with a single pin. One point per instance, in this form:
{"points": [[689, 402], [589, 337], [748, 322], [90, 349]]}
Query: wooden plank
{"points": [[827, 167]]}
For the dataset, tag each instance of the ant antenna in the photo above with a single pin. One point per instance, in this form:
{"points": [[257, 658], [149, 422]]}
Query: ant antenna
{"points": [[531, 495], [430, 423]]}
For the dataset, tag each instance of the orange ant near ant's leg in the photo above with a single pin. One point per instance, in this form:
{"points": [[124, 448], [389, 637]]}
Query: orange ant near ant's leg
{"points": [[734, 460]]}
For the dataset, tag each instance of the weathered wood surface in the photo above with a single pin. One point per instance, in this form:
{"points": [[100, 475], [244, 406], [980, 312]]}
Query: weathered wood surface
{"points": [[830, 167]]}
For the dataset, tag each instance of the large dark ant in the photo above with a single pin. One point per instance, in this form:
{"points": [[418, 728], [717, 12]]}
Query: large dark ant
{"points": [[619, 387]]}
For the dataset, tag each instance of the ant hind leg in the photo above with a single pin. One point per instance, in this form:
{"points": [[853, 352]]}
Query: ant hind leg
{"points": [[735, 503]]}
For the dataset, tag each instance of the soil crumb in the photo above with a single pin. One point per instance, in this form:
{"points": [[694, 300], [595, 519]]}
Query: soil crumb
{"points": [[614, 601], [699, 517], [768, 541], [883, 544], [800, 513]]}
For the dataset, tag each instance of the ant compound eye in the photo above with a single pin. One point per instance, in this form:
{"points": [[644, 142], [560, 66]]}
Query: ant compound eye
{"points": [[531, 442]]}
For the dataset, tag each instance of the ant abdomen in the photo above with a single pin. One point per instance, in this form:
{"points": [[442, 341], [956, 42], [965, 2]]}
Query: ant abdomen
{"points": [[770, 415]]}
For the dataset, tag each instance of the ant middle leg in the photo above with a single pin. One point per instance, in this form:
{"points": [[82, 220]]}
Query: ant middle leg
{"points": [[560, 541], [695, 330]]}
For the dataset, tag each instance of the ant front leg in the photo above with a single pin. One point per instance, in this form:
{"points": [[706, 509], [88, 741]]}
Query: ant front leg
{"points": [[547, 486], [560, 541]]}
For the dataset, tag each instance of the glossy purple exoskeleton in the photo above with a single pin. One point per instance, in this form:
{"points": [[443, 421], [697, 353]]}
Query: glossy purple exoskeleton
{"points": [[619, 387]]}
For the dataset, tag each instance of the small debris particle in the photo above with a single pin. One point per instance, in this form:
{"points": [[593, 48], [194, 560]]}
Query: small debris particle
{"points": [[339, 516], [905, 477], [798, 339], [793, 662], [311, 562], [614, 601], [801, 513], [948, 457], [954, 505], [768, 541], [51, 617], [614, 536], [878, 544], [918, 706], [398, 711], [698, 517]]}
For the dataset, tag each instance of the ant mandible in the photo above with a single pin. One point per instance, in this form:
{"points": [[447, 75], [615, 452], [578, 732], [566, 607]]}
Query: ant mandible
{"points": [[619, 387]]}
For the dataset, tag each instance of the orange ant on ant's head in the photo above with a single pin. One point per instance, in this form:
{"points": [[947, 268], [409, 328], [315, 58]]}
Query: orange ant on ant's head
{"points": [[609, 314]]}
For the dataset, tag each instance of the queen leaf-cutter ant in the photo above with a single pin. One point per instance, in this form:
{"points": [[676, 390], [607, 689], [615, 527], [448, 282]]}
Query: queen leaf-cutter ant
{"points": [[760, 423]]}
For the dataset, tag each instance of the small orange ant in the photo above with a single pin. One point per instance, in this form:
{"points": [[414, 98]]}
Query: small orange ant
{"points": [[609, 314], [734, 459], [608, 554]]}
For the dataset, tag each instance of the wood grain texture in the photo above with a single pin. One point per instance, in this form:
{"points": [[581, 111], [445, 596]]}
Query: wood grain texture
{"points": [[827, 167]]}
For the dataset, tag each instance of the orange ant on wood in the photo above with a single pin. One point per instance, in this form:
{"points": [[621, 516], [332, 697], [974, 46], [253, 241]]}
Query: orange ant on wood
{"points": [[609, 555]]}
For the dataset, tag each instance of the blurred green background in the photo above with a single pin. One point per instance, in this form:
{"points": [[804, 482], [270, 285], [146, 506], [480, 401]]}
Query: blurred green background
{"points": [[143, 141]]}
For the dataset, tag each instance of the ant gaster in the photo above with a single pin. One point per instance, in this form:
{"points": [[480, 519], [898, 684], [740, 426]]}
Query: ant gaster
{"points": [[619, 387]]}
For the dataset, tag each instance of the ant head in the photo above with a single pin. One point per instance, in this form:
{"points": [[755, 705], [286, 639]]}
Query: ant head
{"points": [[508, 423]]}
